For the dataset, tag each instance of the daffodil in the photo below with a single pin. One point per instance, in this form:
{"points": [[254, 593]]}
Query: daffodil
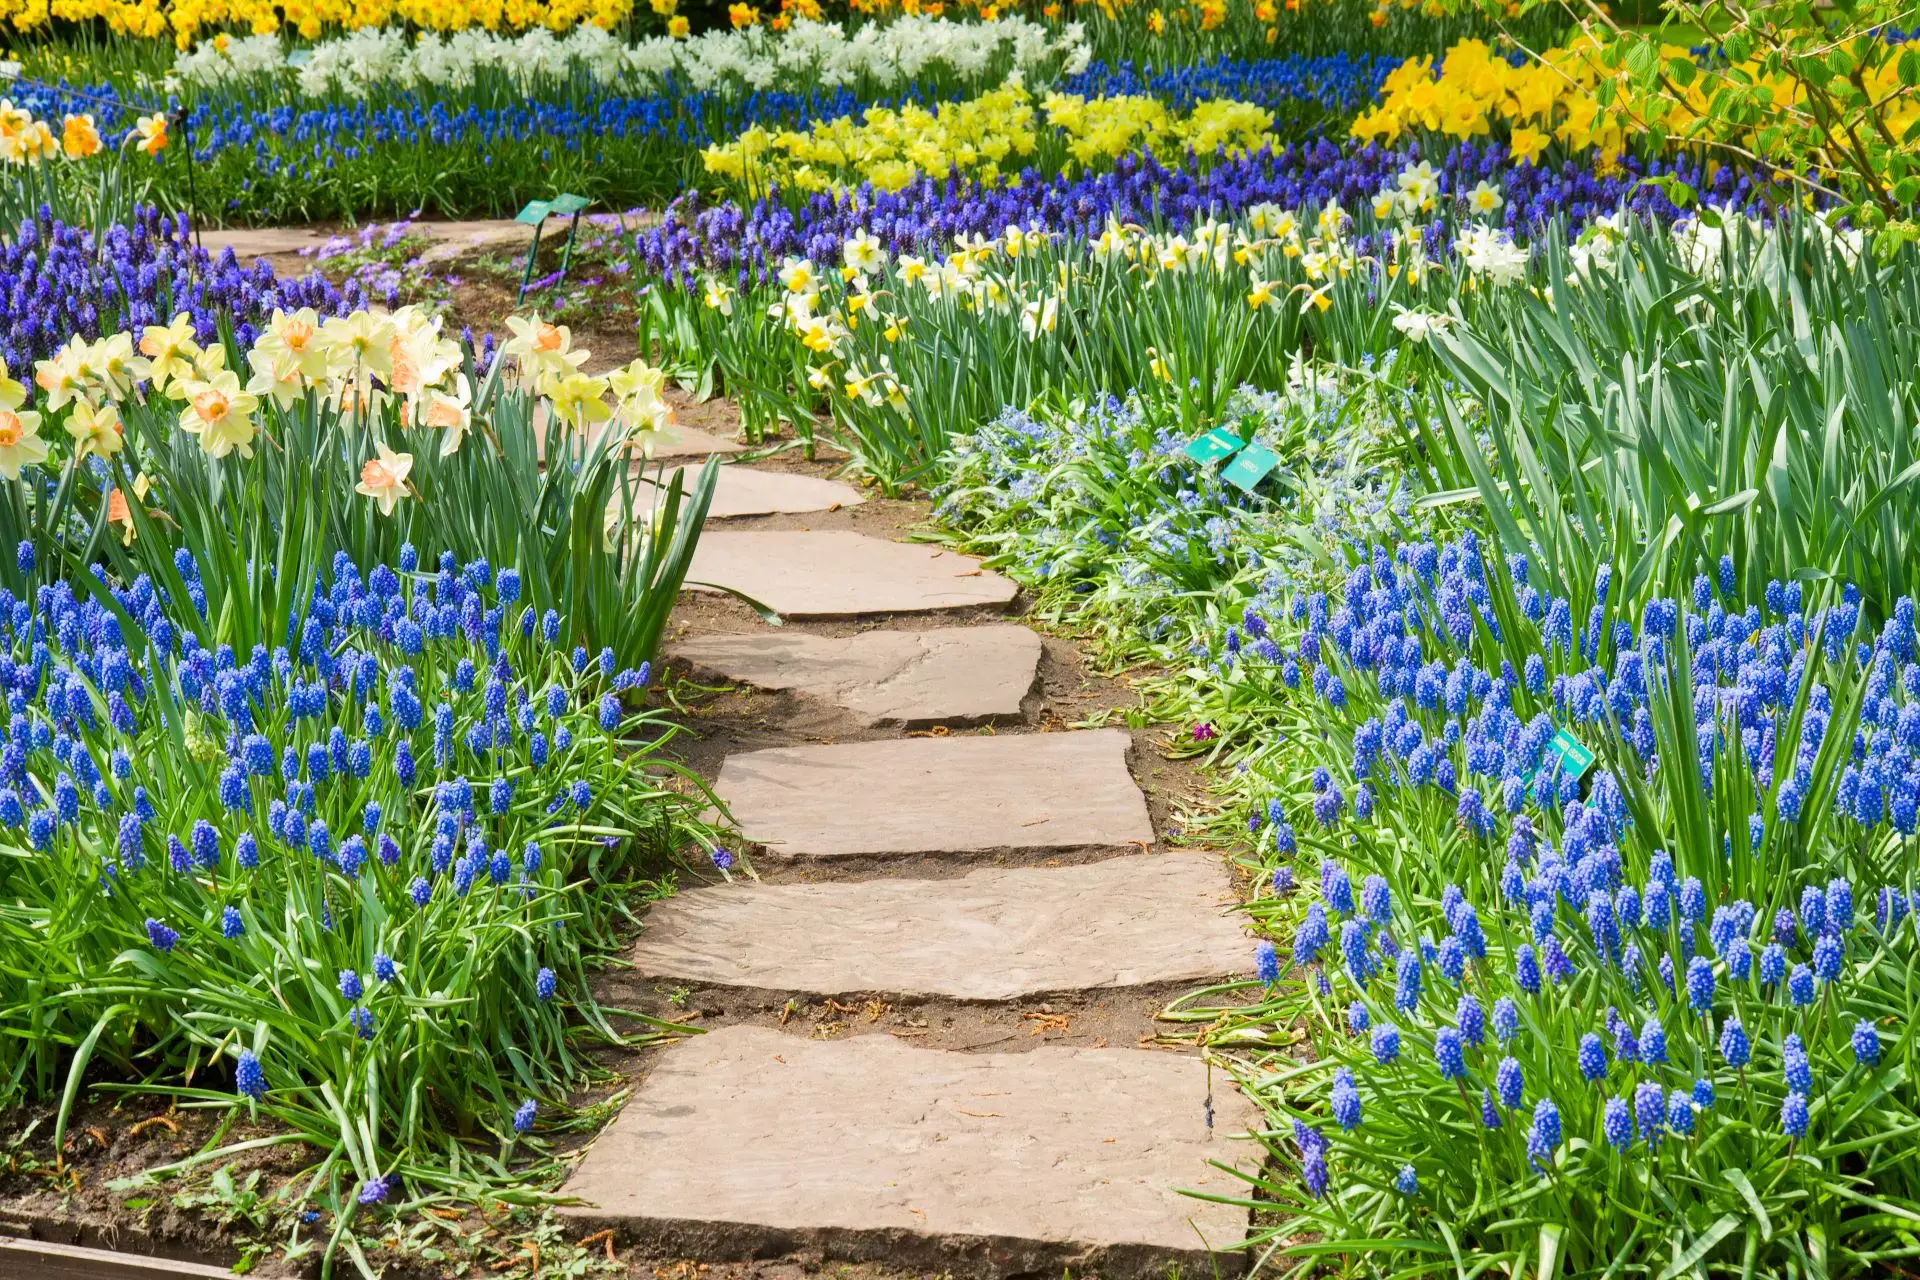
{"points": [[639, 389], [384, 477], [544, 351], [20, 442], [579, 400], [862, 253], [95, 431], [171, 350], [150, 133], [219, 414]]}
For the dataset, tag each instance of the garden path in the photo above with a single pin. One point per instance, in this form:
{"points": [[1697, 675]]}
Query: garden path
{"points": [[966, 855]]}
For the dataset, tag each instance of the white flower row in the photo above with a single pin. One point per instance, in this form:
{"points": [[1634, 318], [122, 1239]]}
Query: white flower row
{"points": [[807, 55]]}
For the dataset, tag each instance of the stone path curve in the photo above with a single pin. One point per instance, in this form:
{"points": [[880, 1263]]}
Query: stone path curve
{"points": [[982, 869]]}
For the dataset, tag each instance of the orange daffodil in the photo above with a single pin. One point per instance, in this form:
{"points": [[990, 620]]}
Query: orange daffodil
{"points": [[384, 477]]}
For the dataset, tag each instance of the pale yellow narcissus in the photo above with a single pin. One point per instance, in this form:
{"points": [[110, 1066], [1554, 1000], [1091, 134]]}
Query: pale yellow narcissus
{"points": [[219, 414], [443, 409], [384, 477], [120, 513], [292, 341], [545, 351], [20, 442], [113, 362], [65, 378], [357, 346], [171, 350], [639, 388], [1485, 198], [96, 431]]}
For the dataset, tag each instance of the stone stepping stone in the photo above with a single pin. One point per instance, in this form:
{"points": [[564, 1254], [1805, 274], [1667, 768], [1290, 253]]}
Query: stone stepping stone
{"points": [[748, 1142], [993, 934], [747, 491], [841, 574], [962, 795], [949, 675], [692, 442]]}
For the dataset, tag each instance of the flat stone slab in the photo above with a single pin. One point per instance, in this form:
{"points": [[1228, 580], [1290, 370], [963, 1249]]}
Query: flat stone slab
{"points": [[841, 574], [692, 442], [747, 1142], [948, 675], [961, 795], [747, 491], [993, 934]]}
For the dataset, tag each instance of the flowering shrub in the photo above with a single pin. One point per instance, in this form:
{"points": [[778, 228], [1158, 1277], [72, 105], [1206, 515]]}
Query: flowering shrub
{"points": [[349, 881], [1611, 923]]}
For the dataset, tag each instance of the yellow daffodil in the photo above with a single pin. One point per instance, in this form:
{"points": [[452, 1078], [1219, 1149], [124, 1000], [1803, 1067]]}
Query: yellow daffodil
{"points": [[579, 400], [95, 431], [640, 390], [219, 414], [171, 350], [79, 138]]}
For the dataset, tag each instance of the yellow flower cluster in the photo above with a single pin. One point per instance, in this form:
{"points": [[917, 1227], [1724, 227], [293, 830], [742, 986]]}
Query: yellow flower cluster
{"points": [[1475, 89], [887, 147], [186, 20], [27, 141], [376, 364], [985, 138], [848, 318], [1104, 128]]}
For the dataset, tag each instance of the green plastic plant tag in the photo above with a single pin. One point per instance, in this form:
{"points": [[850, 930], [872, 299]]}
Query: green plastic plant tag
{"points": [[1575, 759], [534, 214], [1216, 444], [566, 202], [1251, 467]]}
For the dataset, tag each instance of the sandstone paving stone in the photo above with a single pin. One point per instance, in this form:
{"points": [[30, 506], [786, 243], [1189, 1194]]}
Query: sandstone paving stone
{"points": [[683, 441], [749, 491], [969, 794], [946, 675], [993, 934], [841, 574], [746, 1142]]}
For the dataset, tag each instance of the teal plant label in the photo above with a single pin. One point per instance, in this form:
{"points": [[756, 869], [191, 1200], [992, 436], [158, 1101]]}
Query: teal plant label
{"points": [[1216, 444], [1251, 467], [535, 213], [566, 202], [1575, 759]]}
